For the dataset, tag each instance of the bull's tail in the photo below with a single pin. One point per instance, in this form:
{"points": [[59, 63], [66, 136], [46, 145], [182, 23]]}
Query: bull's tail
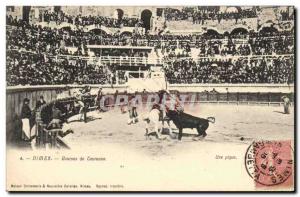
{"points": [[211, 119]]}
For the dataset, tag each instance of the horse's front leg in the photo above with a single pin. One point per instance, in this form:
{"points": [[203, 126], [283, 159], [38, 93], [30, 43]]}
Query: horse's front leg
{"points": [[169, 126], [180, 133], [147, 129], [147, 134], [158, 134]]}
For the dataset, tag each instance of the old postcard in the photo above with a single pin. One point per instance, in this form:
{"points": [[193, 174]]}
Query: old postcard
{"points": [[150, 98]]}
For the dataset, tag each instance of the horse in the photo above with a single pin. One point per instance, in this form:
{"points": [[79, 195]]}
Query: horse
{"points": [[156, 115], [152, 123]]}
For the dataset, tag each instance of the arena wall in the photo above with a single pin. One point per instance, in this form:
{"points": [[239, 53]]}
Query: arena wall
{"points": [[223, 88], [15, 95], [221, 28]]}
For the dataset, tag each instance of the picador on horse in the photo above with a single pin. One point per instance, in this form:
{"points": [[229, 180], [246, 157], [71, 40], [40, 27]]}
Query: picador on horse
{"points": [[161, 111]]}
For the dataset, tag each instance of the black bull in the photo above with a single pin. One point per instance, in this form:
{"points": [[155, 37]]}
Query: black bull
{"points": [[183, 120]]}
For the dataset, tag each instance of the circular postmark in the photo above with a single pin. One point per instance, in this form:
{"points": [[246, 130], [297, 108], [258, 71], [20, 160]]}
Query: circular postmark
{"points": [[269, 162]]}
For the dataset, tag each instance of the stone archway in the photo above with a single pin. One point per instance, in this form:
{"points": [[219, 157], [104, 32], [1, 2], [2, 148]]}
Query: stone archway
{"points": [[26, 13], [239, 30], [118, 14], [146, 18]]}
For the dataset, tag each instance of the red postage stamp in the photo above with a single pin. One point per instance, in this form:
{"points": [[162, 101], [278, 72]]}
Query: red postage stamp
{"points": [[270, 163]]}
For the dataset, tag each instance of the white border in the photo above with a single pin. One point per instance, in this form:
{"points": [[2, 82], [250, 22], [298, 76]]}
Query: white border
{"points": [[296, 3]]}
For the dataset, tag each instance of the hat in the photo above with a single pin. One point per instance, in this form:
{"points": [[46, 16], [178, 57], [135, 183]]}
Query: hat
{"points": [[26, 100]]}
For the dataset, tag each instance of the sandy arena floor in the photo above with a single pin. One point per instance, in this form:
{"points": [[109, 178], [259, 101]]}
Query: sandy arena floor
{"points": [[235, 124]]}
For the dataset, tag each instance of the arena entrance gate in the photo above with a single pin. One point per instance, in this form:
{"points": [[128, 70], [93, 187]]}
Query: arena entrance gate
{"points": [[151, 81]]}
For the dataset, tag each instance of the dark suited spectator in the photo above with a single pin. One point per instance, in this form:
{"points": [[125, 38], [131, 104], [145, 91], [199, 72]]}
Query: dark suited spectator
{"points": [[40, 102]]}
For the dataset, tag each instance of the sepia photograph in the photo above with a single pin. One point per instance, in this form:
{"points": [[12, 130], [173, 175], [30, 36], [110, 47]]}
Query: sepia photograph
{"points": [[150, 98]]}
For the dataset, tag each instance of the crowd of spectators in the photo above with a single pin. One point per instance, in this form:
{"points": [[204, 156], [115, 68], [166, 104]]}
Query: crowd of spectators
{"points": [[35, 39], [60, 42], [217, 48], [36, 69], [199, 15], [57, 41], [259, 45], [275, 43], [241, 70], [39, 55], [79, 20]]}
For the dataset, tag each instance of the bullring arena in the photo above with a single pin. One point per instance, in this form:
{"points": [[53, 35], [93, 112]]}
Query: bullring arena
{"points": [[234, 63]]}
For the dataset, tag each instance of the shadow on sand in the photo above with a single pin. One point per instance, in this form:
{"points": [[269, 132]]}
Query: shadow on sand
{"points": [[280, 112], [88, 119]]}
